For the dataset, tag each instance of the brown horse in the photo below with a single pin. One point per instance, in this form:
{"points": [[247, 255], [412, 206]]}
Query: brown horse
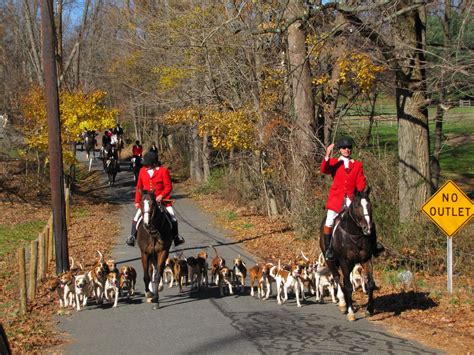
{"points": [[353, 241], [154, 239]]}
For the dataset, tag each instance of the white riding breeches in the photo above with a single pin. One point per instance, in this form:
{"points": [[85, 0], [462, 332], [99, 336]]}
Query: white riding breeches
{"points": [[331, 216], [170, 210]]}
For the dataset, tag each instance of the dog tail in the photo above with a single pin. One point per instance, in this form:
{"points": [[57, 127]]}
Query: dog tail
{"points": [[215, 250], [101, 259], [304, 256]]}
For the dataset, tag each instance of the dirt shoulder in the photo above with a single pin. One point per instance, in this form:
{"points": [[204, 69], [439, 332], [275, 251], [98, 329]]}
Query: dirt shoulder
{"points": [[92, 227], [423, 312]]}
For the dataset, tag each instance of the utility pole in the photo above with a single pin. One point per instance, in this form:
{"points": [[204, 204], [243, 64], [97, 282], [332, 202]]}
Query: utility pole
{"points": [[54, 136]]}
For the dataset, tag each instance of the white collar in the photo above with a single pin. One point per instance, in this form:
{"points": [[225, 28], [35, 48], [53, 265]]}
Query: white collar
{"points": [[346, 161]]}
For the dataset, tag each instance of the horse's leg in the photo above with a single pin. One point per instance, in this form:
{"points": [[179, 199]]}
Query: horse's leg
{"points": [[158, 275], [146, 276], [90, 164], [346, 271], [368, 267]]}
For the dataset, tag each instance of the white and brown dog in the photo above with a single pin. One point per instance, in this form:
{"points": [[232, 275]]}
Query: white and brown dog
{"points": [[128, 279], [98, 277], [112, 287], [203, 266], [194, 272], [64, 287], [216, 264], [359, 278], [324, 279], [256, 277], [168, 272], [83, 289], [224, 277], [288, 279], [240, 272], [181, 273]]}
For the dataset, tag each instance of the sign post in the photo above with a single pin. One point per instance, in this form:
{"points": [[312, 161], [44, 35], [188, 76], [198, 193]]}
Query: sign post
{"points": [[450, 209]]}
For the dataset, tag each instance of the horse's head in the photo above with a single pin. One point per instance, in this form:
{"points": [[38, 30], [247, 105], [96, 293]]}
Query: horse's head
{"points": [[150, 207], [361, 210]]}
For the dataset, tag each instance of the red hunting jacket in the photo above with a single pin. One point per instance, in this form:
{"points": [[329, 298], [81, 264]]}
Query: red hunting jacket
{"points": [[344, 181], [160, 180], [137, 150]]}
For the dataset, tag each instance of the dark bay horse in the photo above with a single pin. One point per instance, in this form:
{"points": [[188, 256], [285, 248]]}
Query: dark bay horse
{"points": [[111, 167], [154, 239], [353, 242]]}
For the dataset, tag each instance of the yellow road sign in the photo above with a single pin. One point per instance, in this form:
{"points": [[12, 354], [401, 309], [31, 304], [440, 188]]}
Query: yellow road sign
{"points": [[449, 208]]}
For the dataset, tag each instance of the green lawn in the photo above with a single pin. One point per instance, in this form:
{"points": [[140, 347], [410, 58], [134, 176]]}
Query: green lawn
{"points": [[11, 238], [457, 155]]}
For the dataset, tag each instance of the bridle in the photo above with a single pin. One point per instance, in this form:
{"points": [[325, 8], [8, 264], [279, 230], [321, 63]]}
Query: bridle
{"points": [[365, 215]]}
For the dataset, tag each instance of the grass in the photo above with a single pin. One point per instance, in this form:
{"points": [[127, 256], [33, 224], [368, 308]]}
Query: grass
{"points": [[457, 154], [19, 235]]}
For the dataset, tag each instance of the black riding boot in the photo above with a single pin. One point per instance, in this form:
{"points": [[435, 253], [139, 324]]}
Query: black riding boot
{"points": [[131, 238], [327, 235], [178, 240], [329, 254]]}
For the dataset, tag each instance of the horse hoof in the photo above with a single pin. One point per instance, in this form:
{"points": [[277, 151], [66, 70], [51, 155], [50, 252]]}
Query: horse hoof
{"points": [[351, 317], [369, 313], [156, 306], [343, 309]]}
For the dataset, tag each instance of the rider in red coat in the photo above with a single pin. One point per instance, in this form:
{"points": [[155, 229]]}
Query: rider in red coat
{"points": [[154, 176], [348, 175]]}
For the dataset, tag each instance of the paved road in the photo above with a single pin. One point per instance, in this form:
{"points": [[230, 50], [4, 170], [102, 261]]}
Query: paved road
{"points": [[202, 322]]}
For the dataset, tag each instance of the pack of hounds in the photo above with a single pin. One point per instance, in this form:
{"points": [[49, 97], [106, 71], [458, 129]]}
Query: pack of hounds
{"points": [[105, 282]]}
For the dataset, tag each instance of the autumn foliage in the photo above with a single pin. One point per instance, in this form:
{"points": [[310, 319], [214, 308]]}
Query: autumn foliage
{"points": [[79, 111]]}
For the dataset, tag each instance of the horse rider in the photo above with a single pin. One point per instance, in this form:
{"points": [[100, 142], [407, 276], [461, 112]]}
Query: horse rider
{"points": [[118, 130], [155, 176], [348, 174], [153, 148], [137, 152]]}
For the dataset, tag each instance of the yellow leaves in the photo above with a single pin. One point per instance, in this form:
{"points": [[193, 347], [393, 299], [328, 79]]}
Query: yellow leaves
{"points": [[227, 130], [169, 77], [359, 69], [78, 112]]}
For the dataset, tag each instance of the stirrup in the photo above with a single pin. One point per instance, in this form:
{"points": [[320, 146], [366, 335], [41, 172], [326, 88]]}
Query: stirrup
{"points": [[130, 240]]}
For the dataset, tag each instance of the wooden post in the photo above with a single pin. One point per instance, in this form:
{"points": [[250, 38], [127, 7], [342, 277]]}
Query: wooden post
{"points": [[68, 210], [33, 269], [46, 245], [22, 280], [50, 238], [41, 257]]}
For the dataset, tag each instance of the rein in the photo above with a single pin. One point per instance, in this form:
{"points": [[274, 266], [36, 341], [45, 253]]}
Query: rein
{"points": [[155, 230]]}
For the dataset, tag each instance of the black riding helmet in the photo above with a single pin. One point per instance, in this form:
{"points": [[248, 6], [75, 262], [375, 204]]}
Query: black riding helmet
{"points": [[344, 142], [150, 159]]}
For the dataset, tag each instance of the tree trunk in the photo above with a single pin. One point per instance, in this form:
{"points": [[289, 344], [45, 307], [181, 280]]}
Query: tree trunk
{"points": [[302, 146], [195, 170], [440, 110], [412, 114]]}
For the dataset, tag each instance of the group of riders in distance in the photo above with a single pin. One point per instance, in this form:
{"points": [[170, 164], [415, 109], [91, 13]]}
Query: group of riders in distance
{"points": [[347, 234], [110, 151]]}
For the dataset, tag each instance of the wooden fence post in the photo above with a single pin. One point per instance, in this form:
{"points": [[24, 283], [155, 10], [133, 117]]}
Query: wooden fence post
{"points": [[50, 238], [22, 280], [33, 270], [41, 257]]}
